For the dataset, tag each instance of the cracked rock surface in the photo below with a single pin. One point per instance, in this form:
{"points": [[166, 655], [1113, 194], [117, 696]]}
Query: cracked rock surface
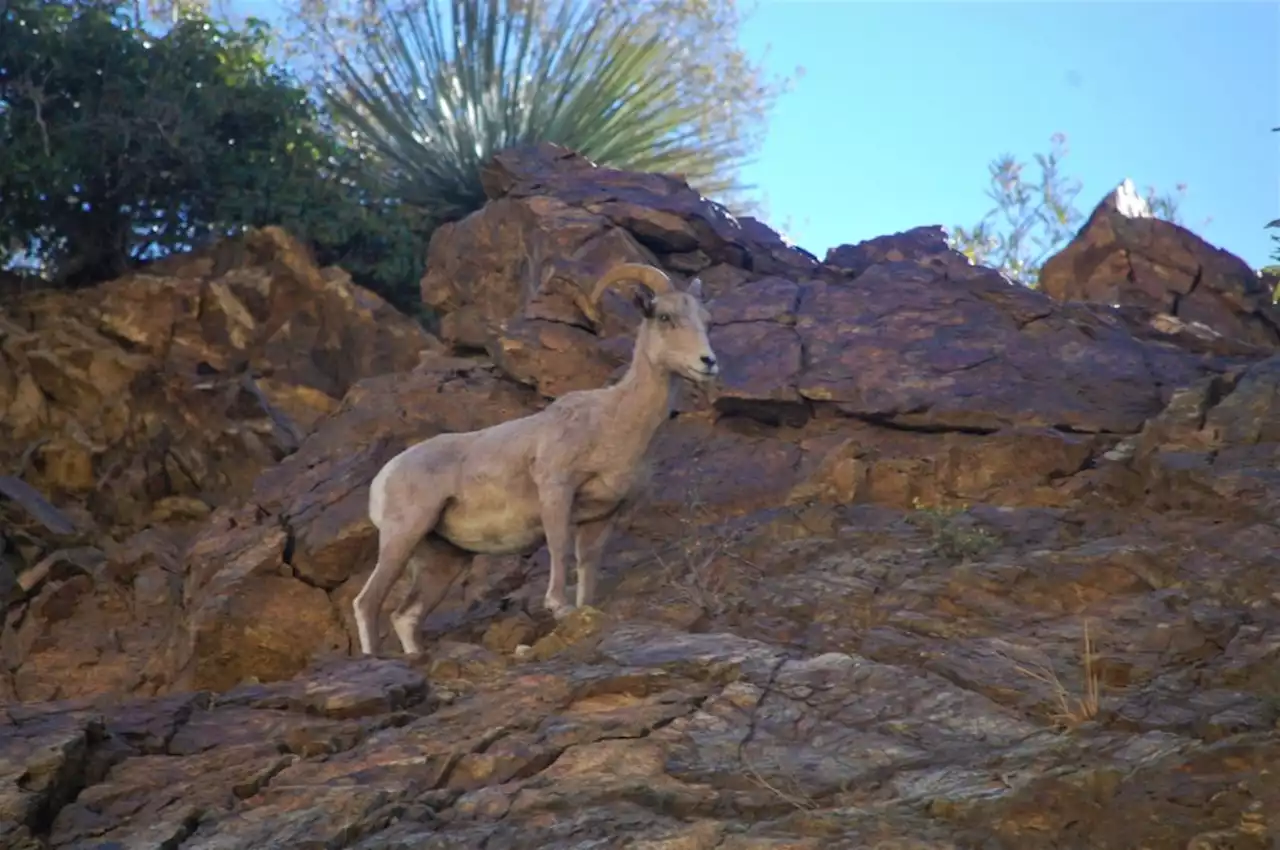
{"points": [[638, 735], [941, 563]]}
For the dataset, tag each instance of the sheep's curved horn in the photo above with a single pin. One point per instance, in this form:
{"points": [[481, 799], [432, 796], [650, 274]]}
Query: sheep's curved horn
{"points": [[654, 278]]}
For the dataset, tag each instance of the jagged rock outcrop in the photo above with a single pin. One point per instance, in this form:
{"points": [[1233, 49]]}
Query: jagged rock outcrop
{"points": [[942, 563], [182, 381], [909, 334], [904, 374], [131, 410], [1124, 256], [1215, 449]]}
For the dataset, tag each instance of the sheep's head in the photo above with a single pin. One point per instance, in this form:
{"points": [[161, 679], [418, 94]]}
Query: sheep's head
{"points": [[675, 322]]}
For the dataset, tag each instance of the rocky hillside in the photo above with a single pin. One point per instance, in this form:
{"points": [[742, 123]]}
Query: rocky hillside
{"points": [[941, 563]]}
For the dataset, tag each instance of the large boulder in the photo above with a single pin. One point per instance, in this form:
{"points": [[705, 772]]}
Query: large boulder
{"points": [[1125, 256], [511, 279]]}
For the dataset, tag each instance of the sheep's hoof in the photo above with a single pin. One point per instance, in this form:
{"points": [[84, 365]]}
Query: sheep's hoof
{"points": [[560, 610]]}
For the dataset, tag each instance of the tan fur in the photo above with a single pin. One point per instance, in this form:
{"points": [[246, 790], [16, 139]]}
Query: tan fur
{"points": [[560, 475]]}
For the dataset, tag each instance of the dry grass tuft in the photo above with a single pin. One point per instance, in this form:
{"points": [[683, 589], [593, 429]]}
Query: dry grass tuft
{"points": [[700, 564], [1071, 711], [796, 797]]}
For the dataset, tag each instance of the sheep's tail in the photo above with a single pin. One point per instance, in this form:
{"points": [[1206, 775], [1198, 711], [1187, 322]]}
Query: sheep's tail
{"points": [[378, 494]]}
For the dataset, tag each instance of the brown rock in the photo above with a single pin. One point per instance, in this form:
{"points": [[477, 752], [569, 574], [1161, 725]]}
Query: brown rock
{"points": [[899, 346], [147, 387], [251, 619], [924, 245], [269, 588], [510, 632], [150, 400], [1124, 256], [94, 619], [552, 205], [918, 338], [154, 772], [1161, 327], [1214, 449], [578, 628], [554, 358], [42, 763]]}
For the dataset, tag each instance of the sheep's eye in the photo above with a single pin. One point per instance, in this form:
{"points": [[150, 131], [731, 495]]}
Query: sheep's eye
{"points": [[665, 318]]}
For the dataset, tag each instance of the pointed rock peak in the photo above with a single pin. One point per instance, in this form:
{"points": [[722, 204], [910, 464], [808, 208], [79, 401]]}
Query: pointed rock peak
{"points": [[1125, 200]]}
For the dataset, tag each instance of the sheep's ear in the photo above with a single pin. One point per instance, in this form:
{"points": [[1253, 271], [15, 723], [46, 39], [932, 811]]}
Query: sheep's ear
{"points": [[644, 300], [695, 288]]}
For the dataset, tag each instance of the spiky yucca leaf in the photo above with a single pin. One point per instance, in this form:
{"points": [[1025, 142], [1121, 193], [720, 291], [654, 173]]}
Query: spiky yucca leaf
{"points": [[432, 92]]}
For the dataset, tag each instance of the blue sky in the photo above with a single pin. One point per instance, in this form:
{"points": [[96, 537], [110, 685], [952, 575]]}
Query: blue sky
{"points": [[903, 104]]}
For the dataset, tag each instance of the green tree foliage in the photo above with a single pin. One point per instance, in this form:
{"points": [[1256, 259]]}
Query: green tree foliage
{"points": [[428, 90], [122, 145], [119, 144], [1033, 218]]}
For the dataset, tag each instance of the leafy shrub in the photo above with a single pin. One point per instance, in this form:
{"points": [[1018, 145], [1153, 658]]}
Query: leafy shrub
{"points": [[953, 535], [122, 145], [429, 91]]}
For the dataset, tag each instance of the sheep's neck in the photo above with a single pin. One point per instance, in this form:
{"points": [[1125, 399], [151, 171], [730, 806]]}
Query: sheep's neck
{"points": [[644, 396]]}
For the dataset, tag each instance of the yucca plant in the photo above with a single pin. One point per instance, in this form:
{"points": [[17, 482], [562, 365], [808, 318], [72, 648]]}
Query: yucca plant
{"points": [[434, 89]]}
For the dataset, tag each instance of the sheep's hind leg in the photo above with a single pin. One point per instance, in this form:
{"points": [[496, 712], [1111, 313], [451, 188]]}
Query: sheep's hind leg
{"points": [[398, 537], [434, 567]]}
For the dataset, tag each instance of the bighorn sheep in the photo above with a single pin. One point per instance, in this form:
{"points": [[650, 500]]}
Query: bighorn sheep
{"points": [[566, 471]]}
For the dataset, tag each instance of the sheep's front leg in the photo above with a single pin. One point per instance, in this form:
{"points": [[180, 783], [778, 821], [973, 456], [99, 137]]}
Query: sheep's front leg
{"points": [[589, 542], [556, 497]]}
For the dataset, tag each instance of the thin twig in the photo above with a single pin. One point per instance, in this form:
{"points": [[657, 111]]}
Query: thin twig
{"points": [[804, 804]]}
